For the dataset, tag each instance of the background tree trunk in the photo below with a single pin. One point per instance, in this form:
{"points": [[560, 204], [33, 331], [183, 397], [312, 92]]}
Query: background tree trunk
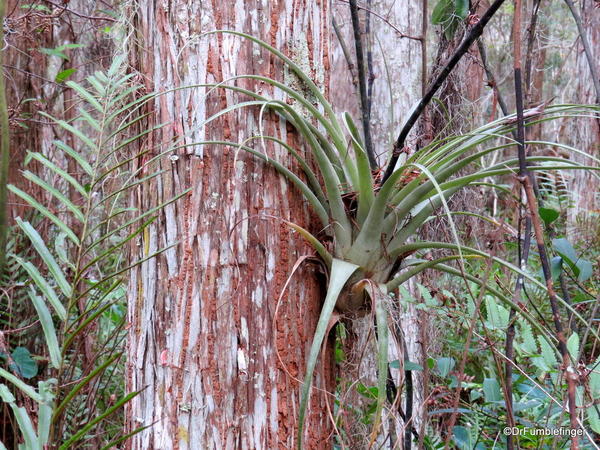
{"points": [[204, 337], [586, 133]]}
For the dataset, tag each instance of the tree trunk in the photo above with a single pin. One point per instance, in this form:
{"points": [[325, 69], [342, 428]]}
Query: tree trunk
{"points": [[216, 355]]}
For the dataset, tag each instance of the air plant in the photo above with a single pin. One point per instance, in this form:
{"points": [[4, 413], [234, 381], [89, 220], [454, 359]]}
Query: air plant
{"points": [[376, 245]]}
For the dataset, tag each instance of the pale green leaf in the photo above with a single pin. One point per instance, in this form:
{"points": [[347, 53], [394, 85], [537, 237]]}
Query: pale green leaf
{"points": [[573, 346], [44, 287], [64, 75], [593, 417], [491, 390], [38, 243], [22, 386], [49, 330], [594, 377], [45, 212], [340, 273], [68, 204], [76, 156], [445, 366], [86, 95], [548, 354], [54, 168]]}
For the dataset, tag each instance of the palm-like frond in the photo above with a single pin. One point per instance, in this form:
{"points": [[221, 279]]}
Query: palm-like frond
{"points": [[73, 283]]}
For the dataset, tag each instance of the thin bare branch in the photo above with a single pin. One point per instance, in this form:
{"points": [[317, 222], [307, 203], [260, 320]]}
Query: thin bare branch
{"points": [[471, 36], [362, 84]]}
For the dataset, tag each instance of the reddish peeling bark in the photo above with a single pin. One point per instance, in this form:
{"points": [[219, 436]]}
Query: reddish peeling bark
{"points": [[204, 345]]}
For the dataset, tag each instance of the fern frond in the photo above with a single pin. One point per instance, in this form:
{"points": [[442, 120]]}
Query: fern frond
{"points": [[80, 275]]}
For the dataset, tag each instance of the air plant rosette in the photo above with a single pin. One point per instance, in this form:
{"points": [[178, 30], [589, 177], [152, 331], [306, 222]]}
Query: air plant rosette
{"points": [[373, 227]]}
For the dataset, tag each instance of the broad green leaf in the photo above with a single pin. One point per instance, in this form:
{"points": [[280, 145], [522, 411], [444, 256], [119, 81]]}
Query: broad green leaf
{"points": [[524, 406], [573, 346], [594, 377], [548, 215], [461, 8], [64, 75], [340, 273], [38, 243], [23, 363], [593, 417], [369, 392], [462, 438], [556, 267], [445, 366], [548, 355], [442, 12], [491, 390], [565, 249], [409, 365], [585, 269], [474, 395]]}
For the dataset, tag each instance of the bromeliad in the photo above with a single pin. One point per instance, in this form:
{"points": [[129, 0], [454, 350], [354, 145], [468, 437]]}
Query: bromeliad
{"points": [[374, 226]]}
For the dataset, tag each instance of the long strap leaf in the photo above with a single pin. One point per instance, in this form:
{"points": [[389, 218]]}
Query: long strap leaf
{"points": [[40, 246], [378, 295], [341, 271]]}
